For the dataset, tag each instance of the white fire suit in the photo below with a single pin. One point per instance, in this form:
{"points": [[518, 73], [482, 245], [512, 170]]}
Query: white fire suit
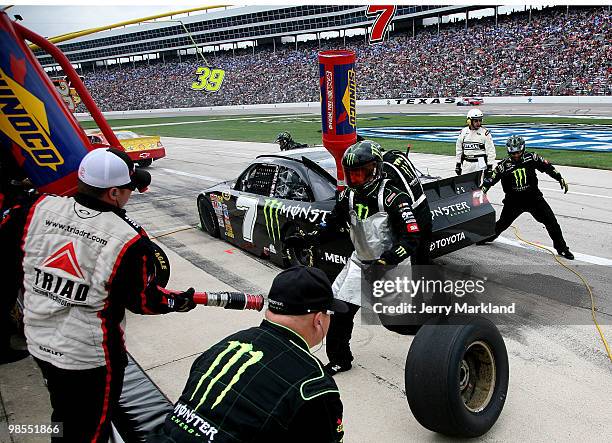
{"points": [[474, 149]]}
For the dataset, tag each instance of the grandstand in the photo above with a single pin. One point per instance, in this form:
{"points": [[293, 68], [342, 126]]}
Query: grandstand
{"points": [[553, 51]]}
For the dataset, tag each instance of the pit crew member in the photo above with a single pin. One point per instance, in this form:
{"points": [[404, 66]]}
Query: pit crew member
{"points": [[519, 180], [474, 150], [286, 143], [82, 261], [263, 384]]}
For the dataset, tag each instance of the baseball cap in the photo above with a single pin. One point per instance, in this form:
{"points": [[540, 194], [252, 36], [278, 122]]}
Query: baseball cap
{"points": [[110, 167], [302, 290]]}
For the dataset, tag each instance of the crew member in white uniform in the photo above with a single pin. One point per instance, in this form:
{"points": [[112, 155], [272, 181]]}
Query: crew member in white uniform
{"points": [[474, 150]]}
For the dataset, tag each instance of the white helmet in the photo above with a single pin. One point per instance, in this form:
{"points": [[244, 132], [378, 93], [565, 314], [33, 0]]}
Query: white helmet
{"points": [[475, 113]]}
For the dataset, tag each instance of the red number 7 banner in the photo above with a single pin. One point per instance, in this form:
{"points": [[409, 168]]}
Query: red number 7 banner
{"points": [[383, 14]]}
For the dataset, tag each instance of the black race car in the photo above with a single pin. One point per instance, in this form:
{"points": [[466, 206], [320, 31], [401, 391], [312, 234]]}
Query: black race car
{"points": [[278, 195]]}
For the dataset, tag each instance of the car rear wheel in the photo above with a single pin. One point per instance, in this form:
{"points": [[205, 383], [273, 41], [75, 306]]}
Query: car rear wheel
{"points": [[208, 219], [457, 376], [145, 163]]}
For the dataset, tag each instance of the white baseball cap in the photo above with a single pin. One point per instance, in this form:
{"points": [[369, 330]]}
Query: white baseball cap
{"points": [[109, 167]]}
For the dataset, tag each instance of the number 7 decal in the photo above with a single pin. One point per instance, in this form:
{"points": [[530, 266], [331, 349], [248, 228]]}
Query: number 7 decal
{"points": [[384, 15], [248, 204]]}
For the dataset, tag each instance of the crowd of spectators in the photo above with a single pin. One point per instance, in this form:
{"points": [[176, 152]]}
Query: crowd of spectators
{"points": [[553, 52]]}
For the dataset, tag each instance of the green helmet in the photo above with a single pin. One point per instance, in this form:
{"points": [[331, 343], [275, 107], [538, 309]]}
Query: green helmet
{"points": [[515, 145], [363, 165]]}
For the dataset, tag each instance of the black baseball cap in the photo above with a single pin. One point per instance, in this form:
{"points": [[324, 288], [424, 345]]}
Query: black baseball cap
{"points": [[302, 290]]}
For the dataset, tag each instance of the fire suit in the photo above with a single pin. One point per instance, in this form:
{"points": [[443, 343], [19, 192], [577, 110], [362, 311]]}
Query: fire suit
{"points": [[382, 225], [258, 385], [81, 263], [520, 184], [474, 150]]}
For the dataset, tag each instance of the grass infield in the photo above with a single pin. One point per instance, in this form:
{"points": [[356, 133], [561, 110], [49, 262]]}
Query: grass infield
{"points": [[307, 129]]}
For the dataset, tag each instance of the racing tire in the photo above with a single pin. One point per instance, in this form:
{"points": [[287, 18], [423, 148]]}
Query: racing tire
{"points": [[162, 265], [145, 163], [457, 375], [208, 219], [297, 256]]}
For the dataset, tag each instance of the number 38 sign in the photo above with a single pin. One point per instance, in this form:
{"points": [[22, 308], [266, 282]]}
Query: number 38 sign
{"points": [[208, 79]]}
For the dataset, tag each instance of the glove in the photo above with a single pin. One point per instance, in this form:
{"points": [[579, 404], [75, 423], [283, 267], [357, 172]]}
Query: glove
{"points": [[486, 185], [489, 168], [564, 185], [182, 302], [374, 270], [458, 169], [301, 241]]}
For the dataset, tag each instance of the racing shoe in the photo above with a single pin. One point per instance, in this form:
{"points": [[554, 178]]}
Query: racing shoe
{"points": [[333, 368], [566, 254]]}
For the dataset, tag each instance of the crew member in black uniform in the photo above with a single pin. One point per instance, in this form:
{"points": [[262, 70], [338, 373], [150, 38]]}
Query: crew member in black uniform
{"points": [[262, 384], [519, 180], [287, 143], [384, 232]]}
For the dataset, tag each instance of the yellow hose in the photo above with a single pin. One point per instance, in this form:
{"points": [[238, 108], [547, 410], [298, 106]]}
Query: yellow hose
{"points": [[601, 334]]}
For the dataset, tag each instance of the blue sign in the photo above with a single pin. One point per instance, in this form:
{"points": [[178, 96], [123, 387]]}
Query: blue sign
{"points": [[563, 137]]}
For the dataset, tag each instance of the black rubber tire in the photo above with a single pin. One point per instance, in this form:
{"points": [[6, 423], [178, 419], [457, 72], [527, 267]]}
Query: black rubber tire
{"points": [[296, 256], [435, 367], [162, 265], [208, 219], [145, 163]]}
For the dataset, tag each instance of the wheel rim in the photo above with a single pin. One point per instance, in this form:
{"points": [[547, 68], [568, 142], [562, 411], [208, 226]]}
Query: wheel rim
{"points": [[477, 372]]}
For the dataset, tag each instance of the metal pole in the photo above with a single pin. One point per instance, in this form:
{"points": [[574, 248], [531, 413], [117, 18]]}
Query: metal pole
{"points": [[496, 16], [413, 29], [296, 42], [274, 44], [529, 14], [438, 25], [467, 16]]}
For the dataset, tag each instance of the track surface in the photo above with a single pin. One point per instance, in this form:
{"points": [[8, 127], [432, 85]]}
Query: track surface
{"points": [[560, 378]]}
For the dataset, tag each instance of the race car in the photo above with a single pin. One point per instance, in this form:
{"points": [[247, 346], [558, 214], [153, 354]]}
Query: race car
{"points": [[470, 101], [278, 195], [142, 149]]}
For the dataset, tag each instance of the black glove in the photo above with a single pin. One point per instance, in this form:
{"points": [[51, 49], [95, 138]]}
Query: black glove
{"points": [[182, 302], [298, 241], [374, 270], [564, 185], [489, 168], [458, 169], [486, 184]]}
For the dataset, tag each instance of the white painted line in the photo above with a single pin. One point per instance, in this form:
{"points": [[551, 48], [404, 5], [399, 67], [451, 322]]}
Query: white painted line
{"points": [[593, 259], [188, 174], [578, 193], [204, 121]]}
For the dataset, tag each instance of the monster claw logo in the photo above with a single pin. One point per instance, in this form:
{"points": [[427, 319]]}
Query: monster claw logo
{"points": [[362, 211], [239, 350], [350, 158], [24, 120], [271, 208], [520, 177], [349, 98]]}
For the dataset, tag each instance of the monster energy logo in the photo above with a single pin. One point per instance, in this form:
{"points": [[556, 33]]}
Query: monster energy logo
{"points": [[239, 350], [271, 209], [350, 158], [376, 152], [401, 251], [520, 177], [362, 210]]}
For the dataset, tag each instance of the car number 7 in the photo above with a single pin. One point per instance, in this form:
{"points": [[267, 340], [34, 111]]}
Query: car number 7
{"points": [[248, 204]]}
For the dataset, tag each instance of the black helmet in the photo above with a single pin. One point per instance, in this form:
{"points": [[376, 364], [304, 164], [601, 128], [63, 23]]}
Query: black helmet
{"points": [[515, 145], [363, 165], [283, 139]]}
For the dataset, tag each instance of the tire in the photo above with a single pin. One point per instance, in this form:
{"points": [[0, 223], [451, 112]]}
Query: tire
{"points": [[457, 376], [145, 163], [208, 219], [297, 256], [162, 265]]}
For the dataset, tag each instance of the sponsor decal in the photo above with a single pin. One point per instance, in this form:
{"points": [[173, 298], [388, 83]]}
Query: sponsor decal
{"points": [[451, 210], [208, 79], [473, 146], [350, 98], [189, 420], [335, 258], [226, 195], [24, 120], [329, 82], [77, 231], [400, 251], [479, 198], [234, 365], [447, 241], [412, 227], [391, 197], [50, 351], [218, 208], [520, 178], [65, 259], [62, 290], [274, 209], [229, 231]]}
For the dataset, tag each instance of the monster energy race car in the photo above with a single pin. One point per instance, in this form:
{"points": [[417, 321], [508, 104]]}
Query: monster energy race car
{"points": [[279, 195]]}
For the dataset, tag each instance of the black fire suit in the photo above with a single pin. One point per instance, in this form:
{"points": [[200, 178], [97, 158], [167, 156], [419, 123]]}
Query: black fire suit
{"points": [[258, 385], [520, 183], [407, 235], [291, 145]]}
